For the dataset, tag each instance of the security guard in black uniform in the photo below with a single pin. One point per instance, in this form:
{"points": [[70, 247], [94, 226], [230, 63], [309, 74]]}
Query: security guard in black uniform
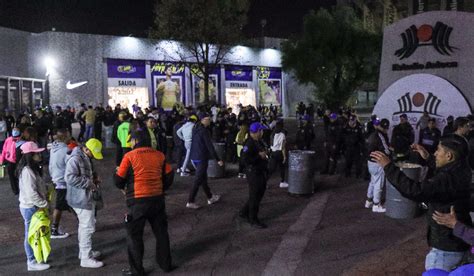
{"points": [[332, 144], [255, 158], [353, 137]]}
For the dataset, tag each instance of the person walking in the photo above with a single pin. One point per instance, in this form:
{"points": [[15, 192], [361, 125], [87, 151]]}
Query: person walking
{"points": [[89, 117], [202, 150], [57, 169], [32, 197], [8, 158], [185, 133], [256, 161], [143, 176], [81, 182]]}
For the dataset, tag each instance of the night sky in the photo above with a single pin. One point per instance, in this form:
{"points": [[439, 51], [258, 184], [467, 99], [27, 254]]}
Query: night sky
{"points": [[124, 17]]}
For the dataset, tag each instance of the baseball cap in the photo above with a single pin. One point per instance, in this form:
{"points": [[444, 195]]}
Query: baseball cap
{"points": [[384, 123], [193, 117], [95, 146], [203, 115], [256, 127], [352, 118], [29, 147], [404, 116], [333, 116]]}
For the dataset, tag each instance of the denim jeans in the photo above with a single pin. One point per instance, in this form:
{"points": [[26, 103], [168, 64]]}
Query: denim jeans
{"points": [[444, 260], [187, 145], [89, 131], [27, 213], [377, 177], [86, 229]]}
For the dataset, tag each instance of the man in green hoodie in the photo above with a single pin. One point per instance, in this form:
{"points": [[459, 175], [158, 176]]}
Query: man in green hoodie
{"points": [[122, 136]]}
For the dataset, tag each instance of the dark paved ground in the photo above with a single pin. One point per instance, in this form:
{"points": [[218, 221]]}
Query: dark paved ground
{"points": [[329, 233]]}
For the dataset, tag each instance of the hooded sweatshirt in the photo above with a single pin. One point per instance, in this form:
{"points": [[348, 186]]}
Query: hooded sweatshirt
{"points": [[32, 189], [57, 164], [185, 133], [78, 177]]}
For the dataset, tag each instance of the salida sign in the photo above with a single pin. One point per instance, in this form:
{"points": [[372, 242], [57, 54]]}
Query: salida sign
{"points": [[418, 93], [437, 37]]}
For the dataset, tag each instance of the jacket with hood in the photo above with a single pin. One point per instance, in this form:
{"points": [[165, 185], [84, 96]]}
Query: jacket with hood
{"points": [[202, 148], [79, 180], [185, 133], [9, 150], [122, 133], [57, 164], [33, 190]]}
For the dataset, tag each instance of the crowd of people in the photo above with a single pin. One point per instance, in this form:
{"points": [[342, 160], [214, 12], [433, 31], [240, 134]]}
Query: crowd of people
{"points": [[40, 146], [147, 141]]}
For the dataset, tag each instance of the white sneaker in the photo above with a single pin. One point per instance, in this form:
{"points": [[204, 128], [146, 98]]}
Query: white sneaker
{"points": [[192, 205], [283, 185], [368, 204], [239, 175], [213, 199], [178, 170], [187, 170], [34, 266], [91, 263], [378, 208], [244, 175], [184, 174]]}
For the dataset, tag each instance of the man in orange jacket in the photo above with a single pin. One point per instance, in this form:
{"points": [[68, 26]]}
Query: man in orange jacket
{"points": [[143, 176]]}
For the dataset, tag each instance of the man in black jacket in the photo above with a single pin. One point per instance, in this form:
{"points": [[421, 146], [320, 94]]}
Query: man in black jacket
{"points": [[202, 150], [403, 136], [448, 187], [332, 144], [353, 137]]}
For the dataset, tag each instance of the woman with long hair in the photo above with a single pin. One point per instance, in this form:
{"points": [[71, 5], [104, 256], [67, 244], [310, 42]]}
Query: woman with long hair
{"points": [[278, 156], [33, 194]]}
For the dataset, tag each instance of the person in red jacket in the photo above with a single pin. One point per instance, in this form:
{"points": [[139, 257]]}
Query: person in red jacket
{"points": [[143, 176]]}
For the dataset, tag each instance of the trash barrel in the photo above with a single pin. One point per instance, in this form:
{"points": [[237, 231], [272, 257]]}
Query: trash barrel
{"points": [[397, 206], [213, 169], [301, 172]]}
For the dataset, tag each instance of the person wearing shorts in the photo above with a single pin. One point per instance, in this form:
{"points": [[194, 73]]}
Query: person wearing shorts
{"points": [[57, 169]]}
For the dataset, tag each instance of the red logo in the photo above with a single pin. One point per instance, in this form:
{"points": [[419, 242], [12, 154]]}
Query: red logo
{"points": [[426, 35]]}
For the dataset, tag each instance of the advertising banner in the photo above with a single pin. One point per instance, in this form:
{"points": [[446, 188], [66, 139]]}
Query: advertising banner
{"points": [[269, 85], [168, 84], [418, 93], [127, 83], [198, 86], [239, 87]]}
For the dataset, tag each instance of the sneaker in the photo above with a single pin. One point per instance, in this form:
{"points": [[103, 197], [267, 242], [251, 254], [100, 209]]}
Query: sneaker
{"points": [[244, 175], [368, 204], [239, 175], [34, 266], [283, 185], [57, 234], [178, 170], [91, 263], [378, 208], [187, 170], [192, 205], [213, 199], [184, 174]]}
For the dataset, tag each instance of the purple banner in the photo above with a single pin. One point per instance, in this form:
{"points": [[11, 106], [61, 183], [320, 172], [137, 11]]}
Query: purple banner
{"points": [[127, 69], [168, 83], [268, 72], [238, 73]]}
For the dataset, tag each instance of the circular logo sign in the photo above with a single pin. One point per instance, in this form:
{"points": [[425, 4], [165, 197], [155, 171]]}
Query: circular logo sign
{"points": [[418, 93]]}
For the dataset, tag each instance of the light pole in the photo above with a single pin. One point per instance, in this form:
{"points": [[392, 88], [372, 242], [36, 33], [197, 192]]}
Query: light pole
{"points": [[49, 63]]}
